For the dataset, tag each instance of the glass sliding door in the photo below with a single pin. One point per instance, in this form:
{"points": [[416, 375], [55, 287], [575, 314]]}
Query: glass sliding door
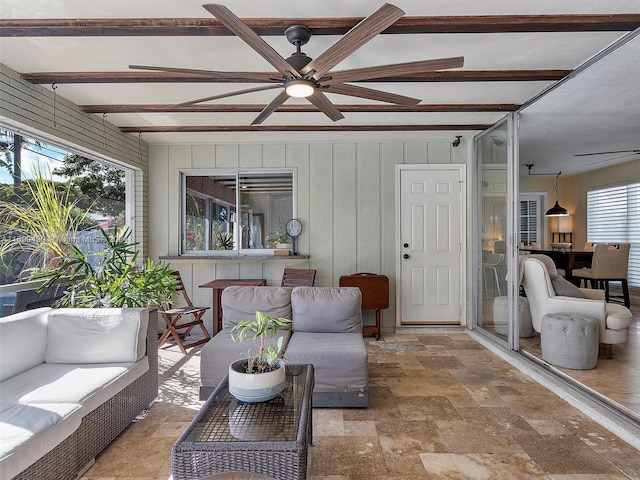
{"points": [[493, 227]]}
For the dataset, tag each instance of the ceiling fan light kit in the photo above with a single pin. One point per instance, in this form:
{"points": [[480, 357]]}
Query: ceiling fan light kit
{"points": [[304, 77], [300, 88]]}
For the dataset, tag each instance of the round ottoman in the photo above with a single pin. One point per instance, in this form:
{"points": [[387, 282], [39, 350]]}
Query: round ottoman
{"points": [[569, 340]]}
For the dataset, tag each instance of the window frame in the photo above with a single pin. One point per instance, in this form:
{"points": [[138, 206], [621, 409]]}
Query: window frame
{"points": [[238, 173]]}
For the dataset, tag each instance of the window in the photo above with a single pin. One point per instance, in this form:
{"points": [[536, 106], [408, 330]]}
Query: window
{"points": [[39, 178], [613, 215], [236, 211]]}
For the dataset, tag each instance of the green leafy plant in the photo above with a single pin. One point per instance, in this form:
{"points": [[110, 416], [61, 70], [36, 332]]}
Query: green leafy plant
{"points": [[262, 327], [221, 238], [114, 280], [276, 237], [42, 223]]}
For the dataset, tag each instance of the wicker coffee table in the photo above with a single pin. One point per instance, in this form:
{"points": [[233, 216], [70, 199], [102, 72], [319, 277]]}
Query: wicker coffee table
{"points": [[270, 438]]}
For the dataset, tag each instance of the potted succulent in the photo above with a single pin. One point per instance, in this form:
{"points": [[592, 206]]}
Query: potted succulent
{"points": [[259, 377]]}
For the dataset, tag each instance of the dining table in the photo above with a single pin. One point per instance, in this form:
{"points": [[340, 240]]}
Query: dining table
{"points": [[568, 259], [218, 285]]}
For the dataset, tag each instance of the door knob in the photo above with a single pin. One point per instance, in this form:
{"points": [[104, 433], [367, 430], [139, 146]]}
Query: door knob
{"points": [[406, 245], [405, 256]]}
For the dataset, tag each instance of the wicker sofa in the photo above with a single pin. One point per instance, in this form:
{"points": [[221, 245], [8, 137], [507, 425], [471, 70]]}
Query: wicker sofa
{"points": [[326, 331], [71, 380]]}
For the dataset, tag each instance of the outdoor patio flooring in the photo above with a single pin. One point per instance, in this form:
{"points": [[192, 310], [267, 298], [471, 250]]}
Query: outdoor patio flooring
{"points": [[440, 407]]}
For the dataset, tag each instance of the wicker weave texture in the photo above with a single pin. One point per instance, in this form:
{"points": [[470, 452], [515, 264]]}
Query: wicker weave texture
{"points": [[102, 425], [207, 446]]}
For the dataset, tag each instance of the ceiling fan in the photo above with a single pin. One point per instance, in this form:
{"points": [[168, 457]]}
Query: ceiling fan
{"points": [[304, 77], [633, 151]]}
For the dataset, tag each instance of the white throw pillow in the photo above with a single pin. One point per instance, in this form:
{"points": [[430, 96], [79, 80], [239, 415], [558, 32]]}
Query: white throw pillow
{"points": [[96, 335]]}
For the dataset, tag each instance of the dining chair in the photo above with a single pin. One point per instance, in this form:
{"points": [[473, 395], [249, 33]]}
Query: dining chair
{"points": [[173, 319], [298, 277], [610, 264], [490, 262]]}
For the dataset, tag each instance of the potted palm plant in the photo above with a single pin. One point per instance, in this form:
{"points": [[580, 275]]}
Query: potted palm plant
{"points": [[113, 279], [259, 377]]}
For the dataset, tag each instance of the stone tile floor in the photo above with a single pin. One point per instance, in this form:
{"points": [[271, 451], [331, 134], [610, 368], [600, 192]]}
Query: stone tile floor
{"points": [[441, 407]]}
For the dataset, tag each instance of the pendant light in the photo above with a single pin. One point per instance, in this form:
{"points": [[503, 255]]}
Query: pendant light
{"points": [[557, 210]]}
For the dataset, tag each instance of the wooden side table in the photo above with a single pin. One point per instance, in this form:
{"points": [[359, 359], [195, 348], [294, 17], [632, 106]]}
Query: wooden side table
{"points": [[217, 286], [375, 296]]}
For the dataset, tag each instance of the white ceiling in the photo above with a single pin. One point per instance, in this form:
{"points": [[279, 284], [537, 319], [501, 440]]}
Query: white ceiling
{"points": [[482, 51]]}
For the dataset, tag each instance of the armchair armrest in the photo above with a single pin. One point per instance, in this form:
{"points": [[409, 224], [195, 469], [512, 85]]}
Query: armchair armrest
{"points": [[582, 306], [593, 294]]}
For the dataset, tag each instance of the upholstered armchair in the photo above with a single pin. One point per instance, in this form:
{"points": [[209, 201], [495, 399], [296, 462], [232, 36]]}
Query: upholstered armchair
{"points": [[549, 293]]}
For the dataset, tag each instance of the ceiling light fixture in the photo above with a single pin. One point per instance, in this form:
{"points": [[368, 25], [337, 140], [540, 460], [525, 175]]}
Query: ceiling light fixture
{"points": [[556, 210], [300, 88]]}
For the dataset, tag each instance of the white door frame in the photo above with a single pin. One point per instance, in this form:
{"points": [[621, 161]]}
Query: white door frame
{"points": [[462, 178]]}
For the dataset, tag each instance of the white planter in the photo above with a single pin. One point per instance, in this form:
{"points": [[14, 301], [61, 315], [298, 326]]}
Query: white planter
{"points": [[255, 387], [283, 246]]}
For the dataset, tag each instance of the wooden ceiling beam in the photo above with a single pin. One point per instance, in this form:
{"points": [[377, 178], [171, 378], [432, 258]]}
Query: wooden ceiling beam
{"points": [[254, 108], [298, 128], [119, 27], [173, 77]]}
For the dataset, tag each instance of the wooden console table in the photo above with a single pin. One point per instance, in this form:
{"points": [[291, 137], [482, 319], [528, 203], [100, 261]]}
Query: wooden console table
{"points": [[217, 286]]}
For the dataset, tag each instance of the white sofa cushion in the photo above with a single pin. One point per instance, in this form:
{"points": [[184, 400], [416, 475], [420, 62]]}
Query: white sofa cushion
{"points": [[326, 309], [88, 385], [96, 335], [31, 431], [23, 339]]}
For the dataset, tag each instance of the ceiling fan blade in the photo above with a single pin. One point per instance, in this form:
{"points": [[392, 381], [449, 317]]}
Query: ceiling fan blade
{"points": [[396, 69], [633, 150], [225, 95], [371, 94], [272, 107], [255, 76], [251, 38], [320, 100], [632, 154], [364, 31]]}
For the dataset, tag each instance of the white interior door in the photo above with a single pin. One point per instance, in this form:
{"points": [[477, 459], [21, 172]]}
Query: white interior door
{"points": [[430, 254]]}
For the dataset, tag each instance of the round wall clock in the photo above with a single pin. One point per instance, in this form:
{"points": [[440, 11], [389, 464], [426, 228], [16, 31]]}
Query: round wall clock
{"points": [[294, 229]]}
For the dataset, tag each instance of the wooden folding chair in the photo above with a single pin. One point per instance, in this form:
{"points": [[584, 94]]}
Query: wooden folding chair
{"points": [[297, 277], [173, 318]]}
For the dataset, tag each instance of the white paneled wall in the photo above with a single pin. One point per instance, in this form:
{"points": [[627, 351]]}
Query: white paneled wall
{"points": [[345, 198]]}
